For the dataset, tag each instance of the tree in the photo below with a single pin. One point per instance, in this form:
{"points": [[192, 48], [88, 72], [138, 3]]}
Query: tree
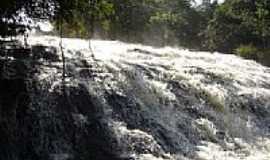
{"points": [[262, 21], [11, 23], [239, 22]]}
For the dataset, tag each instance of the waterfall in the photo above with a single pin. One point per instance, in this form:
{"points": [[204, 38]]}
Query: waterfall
{"points": [[131, 101]]}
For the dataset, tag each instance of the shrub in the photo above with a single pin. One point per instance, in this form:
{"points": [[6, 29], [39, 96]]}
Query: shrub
{"points": [[248, 52], [251, 52]]}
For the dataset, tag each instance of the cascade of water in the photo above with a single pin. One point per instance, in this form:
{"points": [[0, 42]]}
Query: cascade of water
{"points": [[151, 103]]}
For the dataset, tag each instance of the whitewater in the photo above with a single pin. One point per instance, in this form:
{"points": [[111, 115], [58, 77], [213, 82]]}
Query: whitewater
{"points": [[160, 103]]}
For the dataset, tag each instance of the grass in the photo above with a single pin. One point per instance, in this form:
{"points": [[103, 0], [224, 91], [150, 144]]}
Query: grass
{"points": [[247, 51]]}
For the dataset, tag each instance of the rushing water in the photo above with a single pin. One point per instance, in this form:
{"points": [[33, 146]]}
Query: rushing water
{"points": [[166, 103]]}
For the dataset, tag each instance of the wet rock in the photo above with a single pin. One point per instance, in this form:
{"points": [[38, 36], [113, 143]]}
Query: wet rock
{"points": [[121, 106]]}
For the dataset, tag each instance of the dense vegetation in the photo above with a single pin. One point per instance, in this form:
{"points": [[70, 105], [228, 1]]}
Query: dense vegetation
{"points": [[235, 26]]}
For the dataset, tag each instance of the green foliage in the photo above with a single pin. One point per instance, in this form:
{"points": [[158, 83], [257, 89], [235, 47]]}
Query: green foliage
{"points": [[239, 22], [10, 21], [74, 29], [224, 30], [166, 22], [252, 52], [78, 18], [209, 26], [248, 51]]}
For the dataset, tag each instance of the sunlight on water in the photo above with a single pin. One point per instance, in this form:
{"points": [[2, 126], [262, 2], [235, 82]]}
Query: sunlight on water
{"points": [[218, 80]]}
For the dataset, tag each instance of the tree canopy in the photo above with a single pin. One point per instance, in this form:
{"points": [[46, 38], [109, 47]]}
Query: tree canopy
{"points": [[210, 26]]}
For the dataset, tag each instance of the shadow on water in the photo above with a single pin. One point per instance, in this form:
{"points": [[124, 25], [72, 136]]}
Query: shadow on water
{"points": [[37, 123]]}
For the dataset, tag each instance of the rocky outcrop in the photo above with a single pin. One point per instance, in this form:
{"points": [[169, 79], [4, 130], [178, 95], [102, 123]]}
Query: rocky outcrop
{"points": [[128, 102]]}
